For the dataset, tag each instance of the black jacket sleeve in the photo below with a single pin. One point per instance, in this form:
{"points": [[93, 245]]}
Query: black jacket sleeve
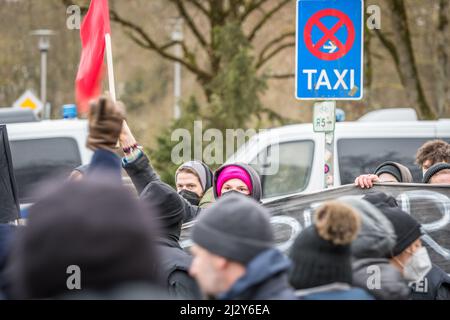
{"points": [[142, 173]]}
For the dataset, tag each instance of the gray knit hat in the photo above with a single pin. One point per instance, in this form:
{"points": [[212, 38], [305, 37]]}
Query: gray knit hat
{"points": [[236, 227], [203, 172]]}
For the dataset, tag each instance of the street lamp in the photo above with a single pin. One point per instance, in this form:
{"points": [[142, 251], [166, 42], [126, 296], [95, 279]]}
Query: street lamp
{"points": [[44, 46], [177, 35]]}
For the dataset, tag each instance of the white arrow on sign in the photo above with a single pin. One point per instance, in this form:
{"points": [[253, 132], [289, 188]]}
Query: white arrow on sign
{"points": [[331, 46]]}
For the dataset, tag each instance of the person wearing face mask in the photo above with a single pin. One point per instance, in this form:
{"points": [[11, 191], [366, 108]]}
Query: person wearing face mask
{"points": [[193, 179], [409, 256], [237, 177]]}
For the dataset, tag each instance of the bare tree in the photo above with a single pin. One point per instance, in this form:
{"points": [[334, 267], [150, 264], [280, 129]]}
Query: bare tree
{"points": [[254, 13], [400, 46]]}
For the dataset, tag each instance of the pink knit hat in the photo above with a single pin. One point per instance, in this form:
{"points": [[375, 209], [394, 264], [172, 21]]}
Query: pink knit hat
{"points": [[233, 172]]}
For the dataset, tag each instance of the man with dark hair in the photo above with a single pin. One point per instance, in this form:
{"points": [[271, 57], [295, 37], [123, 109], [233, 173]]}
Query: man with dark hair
{"points": [[432, 152]]}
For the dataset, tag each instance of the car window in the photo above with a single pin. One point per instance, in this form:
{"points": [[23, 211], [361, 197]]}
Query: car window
{"points": [[37, 160], [360, 156], [289, 165]]}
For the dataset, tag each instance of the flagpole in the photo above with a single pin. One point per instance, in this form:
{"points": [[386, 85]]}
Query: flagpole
{"points": [[109, 61]]}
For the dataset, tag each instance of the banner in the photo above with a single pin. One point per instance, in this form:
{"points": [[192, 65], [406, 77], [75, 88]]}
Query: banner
{"points": [[428, 204]]}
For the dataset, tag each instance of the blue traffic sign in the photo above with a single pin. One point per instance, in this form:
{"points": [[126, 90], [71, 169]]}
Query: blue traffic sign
{"points": [[329, 49]]}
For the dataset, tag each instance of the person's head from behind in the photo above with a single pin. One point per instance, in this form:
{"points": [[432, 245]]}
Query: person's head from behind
{"points": [[94, 227], [393, 172], [192, 180], [321, 254], [239, 178], [233, 231], [431, 153], [438, 173]]}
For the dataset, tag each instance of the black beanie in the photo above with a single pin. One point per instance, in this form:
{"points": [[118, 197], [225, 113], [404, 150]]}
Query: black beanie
{"points": [[236, 227], [433, 170], [321, 254], [97, 226], [407, 229], [390, 168]]}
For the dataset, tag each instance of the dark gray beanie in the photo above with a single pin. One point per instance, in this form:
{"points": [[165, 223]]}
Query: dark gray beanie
{"points": [[236, 227], [435, 169]]}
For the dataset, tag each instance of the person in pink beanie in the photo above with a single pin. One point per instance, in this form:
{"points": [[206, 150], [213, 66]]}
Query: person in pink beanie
{"points": [[237, 177]]}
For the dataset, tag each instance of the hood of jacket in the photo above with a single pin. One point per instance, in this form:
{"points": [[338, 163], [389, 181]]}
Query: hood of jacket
{"points": [[391, 285], [376, 238], [254, 176], [269, 264]]}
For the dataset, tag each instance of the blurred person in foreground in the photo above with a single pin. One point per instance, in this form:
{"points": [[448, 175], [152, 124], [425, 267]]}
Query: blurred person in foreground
{"points": [[95, 227]]}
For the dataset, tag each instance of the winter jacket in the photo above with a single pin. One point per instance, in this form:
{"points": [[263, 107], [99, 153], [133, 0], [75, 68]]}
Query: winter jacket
{"points": [[207, 199], [104, 161], [255, 179], [7, 232], [382, 280], [142, 175], [434, 286], [265, 279], [333, 291], [175, 264]]}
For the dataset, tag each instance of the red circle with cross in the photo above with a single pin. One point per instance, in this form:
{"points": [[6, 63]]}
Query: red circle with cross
{"points": [[329, 34]]}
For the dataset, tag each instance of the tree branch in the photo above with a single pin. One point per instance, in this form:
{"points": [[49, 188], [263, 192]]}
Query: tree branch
{"points": [[147, 42], [276, 51], [275, 41], [200, 7], [251, 7], [190, 22], [280, 76], [266, 18]]}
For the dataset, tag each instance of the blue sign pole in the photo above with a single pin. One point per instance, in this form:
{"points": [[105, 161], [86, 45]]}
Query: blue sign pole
{"points": [[329, 59]]}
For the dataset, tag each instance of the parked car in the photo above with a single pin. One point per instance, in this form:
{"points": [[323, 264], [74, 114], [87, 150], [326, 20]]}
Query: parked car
{"points": [[44, 149]]}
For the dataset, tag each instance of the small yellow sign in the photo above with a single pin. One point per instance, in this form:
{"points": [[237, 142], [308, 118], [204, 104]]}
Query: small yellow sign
{"points": [[28, 100]]}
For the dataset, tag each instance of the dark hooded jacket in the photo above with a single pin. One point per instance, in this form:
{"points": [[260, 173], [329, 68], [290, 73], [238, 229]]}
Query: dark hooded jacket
{"points": [[175, 262], [265, 279]]}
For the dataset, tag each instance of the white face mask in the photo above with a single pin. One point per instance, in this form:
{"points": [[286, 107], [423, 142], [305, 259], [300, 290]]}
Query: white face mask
{"points": [[417, 267]]}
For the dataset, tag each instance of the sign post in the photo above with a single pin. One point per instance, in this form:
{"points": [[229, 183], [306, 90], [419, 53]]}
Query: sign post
{"points": [[329, 62]]}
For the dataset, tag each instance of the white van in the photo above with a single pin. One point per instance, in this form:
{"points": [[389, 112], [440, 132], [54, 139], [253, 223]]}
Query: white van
{"points": [[44, 149], [359, 148]]}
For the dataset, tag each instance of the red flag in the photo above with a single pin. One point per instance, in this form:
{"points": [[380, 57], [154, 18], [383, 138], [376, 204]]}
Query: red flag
{"points": [[93, 30]]}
